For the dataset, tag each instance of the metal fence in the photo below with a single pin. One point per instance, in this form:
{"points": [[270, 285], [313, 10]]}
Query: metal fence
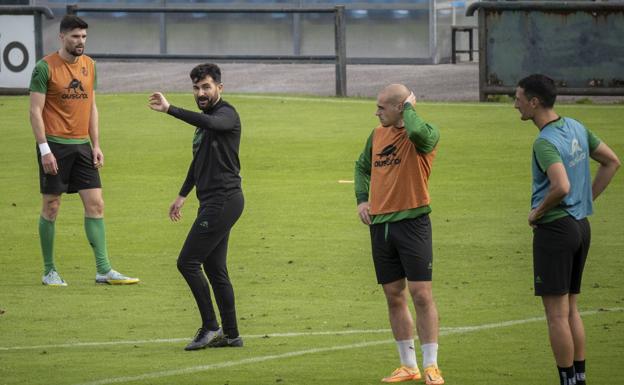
{"points": [[379, 31], [339, 58]]}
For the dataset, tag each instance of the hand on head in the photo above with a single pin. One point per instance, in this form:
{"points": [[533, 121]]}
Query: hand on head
{"points": [[398, 94], [411, 99]]}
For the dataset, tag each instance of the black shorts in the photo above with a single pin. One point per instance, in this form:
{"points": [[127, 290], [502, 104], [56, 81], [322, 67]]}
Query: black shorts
{"points": [[560, 249], [402, 249], [75, 169]]}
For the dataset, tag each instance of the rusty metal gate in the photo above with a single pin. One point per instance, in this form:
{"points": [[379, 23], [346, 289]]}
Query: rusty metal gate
{"points": [[580, 44]]}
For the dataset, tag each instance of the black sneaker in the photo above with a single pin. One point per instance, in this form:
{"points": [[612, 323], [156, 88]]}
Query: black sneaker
{"points": [[223, 341], [204, 338]]}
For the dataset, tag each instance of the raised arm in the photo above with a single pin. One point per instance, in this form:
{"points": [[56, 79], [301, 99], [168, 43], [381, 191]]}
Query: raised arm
{"points": [[421, 133], [225, 119]]}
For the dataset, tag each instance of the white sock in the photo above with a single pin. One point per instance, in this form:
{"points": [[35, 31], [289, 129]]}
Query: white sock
{"points": [[407, 353], [430, 354]]}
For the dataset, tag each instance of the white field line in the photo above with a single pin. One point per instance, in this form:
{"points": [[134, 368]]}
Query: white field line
{"points": [[253, 360], [443, 331], [227, 364], [371, 101]]}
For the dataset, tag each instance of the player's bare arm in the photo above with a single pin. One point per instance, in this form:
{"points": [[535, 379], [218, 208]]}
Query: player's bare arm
{"points": [[559, 188], [37, 102], [609, 164], [94, 134]]}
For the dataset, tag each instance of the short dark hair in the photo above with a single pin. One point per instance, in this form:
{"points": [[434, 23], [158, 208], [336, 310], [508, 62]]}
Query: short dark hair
{"points": [[541, 87], [71, 22], [207, 69]]}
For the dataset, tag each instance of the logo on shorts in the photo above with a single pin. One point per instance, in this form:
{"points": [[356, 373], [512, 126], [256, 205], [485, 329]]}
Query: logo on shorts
{"points": [[75, 90], [430, 267], [538, 279], [203, 224], [387, 156]]}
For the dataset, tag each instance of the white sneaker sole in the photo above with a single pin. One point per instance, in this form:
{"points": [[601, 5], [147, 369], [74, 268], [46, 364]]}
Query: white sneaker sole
{"points": [[130, 281]]}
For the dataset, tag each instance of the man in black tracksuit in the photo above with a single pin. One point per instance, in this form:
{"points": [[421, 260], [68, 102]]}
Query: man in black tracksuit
{"points": [[214, 172]]}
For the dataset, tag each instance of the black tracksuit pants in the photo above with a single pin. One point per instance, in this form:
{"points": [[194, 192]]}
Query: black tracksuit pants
{"points": [[206, 245]]}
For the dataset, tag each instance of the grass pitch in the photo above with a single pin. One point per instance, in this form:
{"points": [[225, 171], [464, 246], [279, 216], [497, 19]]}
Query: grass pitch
{"points": [[299, 258]]}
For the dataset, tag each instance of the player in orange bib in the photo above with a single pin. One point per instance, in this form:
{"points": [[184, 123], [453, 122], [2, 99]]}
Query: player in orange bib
{"points": [[391, 188], [64, 119]]}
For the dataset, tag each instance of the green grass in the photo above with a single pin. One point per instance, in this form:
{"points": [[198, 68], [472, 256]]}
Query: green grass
{"points": [[299, 258]]}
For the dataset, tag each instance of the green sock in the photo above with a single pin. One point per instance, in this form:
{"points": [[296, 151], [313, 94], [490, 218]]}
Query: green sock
{"points": [[46, 237], [96, 234]]}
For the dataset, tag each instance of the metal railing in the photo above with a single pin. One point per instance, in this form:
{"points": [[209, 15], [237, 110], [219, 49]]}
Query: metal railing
{"points": [[339, 58]]}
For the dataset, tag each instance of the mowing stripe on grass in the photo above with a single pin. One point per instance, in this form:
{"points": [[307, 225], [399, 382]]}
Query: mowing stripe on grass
{"points": [[371, 101], [443, 331], [186, 339], [253, 360]]}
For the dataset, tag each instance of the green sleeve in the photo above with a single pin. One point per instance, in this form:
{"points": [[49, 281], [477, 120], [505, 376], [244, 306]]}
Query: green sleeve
{"points": [[363, 171], [40, 77], [546, 154], [593, 140], [95, 83], [424, 135]]}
